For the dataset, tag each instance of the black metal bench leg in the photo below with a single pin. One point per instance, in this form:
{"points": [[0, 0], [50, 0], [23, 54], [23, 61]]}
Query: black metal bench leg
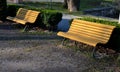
{"points": [[25, 28], [63, 41], [76, 44], [97, 54], [93, 52]]}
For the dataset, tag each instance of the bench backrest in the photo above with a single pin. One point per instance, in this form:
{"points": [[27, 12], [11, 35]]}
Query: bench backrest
{"points": [[31, 16], [21, 13], [90, 29]]}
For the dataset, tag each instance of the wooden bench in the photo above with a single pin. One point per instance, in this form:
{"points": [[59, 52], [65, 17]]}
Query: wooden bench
{"points": [[88, 32], [25, 16]]}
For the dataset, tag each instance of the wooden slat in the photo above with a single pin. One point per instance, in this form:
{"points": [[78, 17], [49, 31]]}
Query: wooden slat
{"points": [[91, 23], [20, 21], [90, 26], [97, 37], [93, 34], [99, 33], [31, 16], [10, 18], [102, 30], [21, 13], [78, 38]]}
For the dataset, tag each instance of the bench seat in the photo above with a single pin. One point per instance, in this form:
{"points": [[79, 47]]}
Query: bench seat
{"points": [[17, 20], [80, 38], [20, 15]]}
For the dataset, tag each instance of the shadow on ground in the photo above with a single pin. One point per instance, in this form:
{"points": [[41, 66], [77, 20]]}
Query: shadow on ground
{"points": [[11, 31]]}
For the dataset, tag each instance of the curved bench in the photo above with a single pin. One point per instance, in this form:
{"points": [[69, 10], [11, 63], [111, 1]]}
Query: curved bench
{"points": [[24, 16], [88, 32]]}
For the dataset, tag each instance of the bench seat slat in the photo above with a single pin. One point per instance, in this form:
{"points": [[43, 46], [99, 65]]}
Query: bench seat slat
{"points": [[10, 18], [17, 20], [79, 38], [100, 38], [20, 21]]}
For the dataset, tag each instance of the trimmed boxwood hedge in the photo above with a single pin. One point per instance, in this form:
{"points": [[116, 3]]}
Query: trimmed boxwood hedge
{"points": [[48, 19], [102, 21], [51, 18]]}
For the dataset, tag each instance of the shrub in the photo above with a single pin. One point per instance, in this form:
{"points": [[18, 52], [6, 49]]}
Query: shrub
{"points": [[102, 21], [51, 19]]}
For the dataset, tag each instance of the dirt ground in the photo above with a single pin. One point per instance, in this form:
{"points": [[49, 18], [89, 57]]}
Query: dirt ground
{"points": [[21, 52]]}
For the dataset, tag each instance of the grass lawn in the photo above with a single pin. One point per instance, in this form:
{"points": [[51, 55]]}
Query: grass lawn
{"points": [[87, 4], [84, 4]]}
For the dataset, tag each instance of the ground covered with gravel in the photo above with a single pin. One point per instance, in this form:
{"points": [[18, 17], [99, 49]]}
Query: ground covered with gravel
{"points": [[21, 52]]}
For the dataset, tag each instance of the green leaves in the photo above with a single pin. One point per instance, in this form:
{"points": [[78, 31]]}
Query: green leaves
{"points": [[102, 21], [50, 18]]}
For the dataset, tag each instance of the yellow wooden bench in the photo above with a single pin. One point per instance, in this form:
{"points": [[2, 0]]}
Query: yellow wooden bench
{"points": [[25, 16], [21, 13], [88, 32]]}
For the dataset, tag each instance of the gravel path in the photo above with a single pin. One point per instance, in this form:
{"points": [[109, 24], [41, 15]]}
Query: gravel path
{"points": [[20, 52]]}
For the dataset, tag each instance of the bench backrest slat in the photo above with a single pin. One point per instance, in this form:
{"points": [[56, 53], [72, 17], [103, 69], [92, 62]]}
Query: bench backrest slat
{"points": [[21, 13], [93, 30], [31, 16]]}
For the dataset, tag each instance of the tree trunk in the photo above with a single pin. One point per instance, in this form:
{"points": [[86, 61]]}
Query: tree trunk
{"points": [[117, 6], [65, 5], [73, 5], [3, 8], [119, 19]]}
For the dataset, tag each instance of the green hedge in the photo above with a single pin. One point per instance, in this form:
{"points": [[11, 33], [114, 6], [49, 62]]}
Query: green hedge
{"points": [[48, 19], [115, 38], [102, 21], [51, 18]]}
